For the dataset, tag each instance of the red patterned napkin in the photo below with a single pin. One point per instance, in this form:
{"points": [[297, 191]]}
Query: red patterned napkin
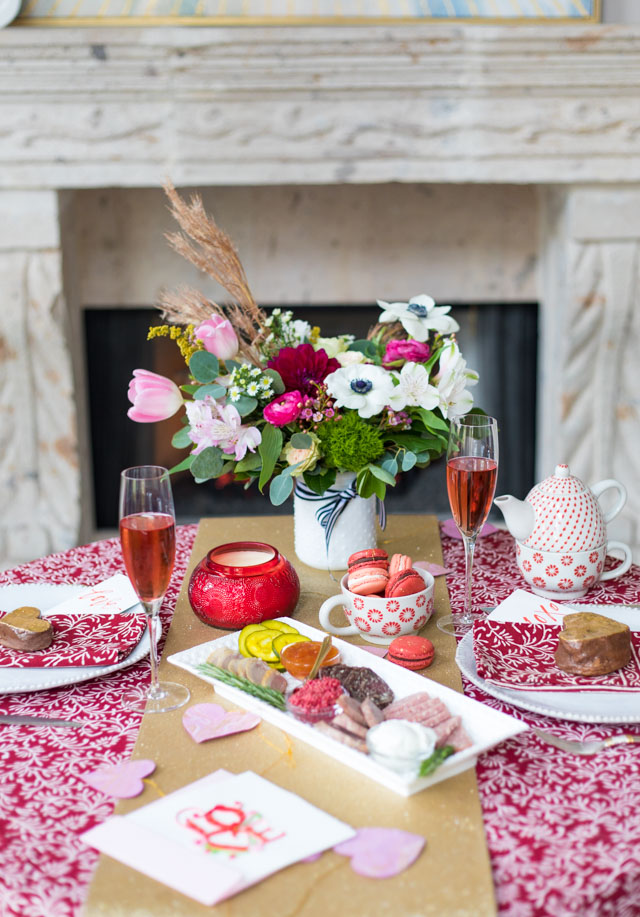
{"points": [[82, 639], [520, 656]]}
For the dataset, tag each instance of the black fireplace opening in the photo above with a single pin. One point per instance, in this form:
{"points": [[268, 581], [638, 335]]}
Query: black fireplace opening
{"points": [[500, 341]]}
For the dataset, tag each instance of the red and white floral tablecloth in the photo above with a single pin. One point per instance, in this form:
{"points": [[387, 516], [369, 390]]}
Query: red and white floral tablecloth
{"points": [[563, 831]]}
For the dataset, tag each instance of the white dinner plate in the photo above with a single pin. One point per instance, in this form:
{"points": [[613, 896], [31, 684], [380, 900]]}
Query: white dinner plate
{"points": [[44, 597], [583, 707], [486, 727]]}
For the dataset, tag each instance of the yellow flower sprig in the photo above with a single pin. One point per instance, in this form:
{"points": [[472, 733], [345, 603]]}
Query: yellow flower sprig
{"points": [[183, 336]]}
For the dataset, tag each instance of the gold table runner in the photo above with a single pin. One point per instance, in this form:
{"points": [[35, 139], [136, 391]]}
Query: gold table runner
{"points": [[451, 877]]}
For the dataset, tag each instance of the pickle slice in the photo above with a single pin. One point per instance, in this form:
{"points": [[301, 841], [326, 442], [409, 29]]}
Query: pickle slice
{"points": [[242, 638], [279, 625], [260, 644], [283, 640]]}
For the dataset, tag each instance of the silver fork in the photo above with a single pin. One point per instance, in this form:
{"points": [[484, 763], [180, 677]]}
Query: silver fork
{"points": [[586, 748]]}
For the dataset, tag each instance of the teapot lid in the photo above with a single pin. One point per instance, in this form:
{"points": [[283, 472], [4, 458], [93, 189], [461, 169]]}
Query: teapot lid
{"points": [[568, 515]]}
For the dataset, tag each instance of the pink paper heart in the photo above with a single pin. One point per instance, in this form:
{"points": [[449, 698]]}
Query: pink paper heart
{"points": [[211, 721], [376, 650], [122, 780], [380, 853], [451, 529], [433, 569]]}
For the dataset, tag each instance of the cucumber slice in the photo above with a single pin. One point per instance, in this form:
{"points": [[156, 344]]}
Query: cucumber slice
{"points": [[283, 640], [242, 638], [281, 626], [260, 645]]}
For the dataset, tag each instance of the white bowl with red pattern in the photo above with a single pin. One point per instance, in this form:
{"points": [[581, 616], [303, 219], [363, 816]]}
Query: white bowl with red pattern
{"points": [[568, 574], [377, 619]]}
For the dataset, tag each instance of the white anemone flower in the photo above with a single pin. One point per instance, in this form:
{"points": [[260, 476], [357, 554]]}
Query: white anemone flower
{"points": [[419, 316], [452, 380], [414, 389], [364, 387]]}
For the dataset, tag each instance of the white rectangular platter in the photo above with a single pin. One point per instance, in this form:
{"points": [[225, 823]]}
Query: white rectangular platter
{"points": [[486, 727]]}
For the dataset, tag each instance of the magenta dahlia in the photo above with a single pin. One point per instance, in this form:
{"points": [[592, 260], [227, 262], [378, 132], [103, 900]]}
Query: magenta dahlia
{"points": [[302, 368]]}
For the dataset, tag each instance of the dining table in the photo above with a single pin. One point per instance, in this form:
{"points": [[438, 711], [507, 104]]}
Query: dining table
{"points": [[562, 830]]}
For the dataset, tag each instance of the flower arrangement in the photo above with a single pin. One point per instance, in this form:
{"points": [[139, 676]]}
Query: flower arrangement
{"points": [[271, 401]]}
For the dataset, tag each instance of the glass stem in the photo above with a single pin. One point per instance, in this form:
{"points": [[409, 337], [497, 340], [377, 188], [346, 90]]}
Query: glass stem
{"points": [[152, 610], [469, 548]]}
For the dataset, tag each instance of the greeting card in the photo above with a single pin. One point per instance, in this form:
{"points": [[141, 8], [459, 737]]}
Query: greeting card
{"points": [[219, 835]]}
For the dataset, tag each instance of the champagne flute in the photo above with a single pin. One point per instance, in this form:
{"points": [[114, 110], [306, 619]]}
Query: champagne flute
{"points": [[148, 540], [472, 469]]}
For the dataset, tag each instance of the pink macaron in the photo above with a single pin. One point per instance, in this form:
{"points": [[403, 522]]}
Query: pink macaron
{"points": [[369, 557], [407, 582], [367, 580], [398, 563]]}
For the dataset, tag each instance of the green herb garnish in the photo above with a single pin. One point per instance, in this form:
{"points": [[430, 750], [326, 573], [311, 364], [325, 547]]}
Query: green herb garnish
{"points": [[270, 695], [433, 762]]}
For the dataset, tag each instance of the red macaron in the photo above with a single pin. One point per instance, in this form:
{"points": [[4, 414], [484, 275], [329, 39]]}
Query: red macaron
{"points": [[367, 579], [407, 582], [411, 652]]}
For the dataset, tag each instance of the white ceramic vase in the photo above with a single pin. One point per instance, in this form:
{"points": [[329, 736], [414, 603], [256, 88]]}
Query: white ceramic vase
{"points": [[355, 529]]}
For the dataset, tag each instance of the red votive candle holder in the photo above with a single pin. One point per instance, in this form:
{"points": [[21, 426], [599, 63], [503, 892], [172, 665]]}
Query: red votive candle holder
{"points": [[243, 582]]}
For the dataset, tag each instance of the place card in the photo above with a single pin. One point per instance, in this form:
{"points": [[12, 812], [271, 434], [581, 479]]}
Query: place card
{"points": [[111, 596], [219, 835], [525, 608]]}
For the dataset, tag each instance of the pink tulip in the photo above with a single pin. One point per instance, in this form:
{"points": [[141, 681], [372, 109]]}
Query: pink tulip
{"points": [[218, 337], [153, 397], [284, 409], [412, 351]]}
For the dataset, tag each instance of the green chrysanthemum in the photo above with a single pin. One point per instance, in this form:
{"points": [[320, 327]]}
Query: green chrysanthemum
{"points": [[350, 443]]}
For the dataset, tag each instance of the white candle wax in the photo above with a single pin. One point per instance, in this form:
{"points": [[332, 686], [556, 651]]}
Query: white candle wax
{"points": [[242, 558]]}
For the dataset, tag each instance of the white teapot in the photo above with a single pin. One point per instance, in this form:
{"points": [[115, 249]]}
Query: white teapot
{"points": [[561, 534]]}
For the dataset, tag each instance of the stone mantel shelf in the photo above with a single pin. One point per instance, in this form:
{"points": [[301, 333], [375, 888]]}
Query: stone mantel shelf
{"points": [[96, 107]]}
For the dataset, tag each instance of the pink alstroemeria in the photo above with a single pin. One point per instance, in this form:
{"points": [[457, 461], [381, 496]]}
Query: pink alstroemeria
{"points": [[213, 424], [153, 397], [284, 409], [218, 337]]}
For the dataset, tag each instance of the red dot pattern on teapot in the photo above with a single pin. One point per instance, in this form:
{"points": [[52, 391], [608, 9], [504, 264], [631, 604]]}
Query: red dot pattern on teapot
{"points": [[568, 516]]}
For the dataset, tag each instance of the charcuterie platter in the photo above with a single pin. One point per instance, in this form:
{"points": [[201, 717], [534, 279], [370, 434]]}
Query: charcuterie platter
{"points": [[484, 726]]}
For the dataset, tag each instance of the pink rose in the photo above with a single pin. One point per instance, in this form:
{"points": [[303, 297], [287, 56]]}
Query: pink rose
{"points": [[284, 409], [153, 397], [411, 351], [218, 337]]}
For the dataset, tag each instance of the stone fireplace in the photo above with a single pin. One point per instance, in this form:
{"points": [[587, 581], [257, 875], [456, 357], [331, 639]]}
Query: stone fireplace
{"points": [[490, 163]]}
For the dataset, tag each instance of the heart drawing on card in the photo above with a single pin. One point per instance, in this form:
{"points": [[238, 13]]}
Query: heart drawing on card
{"points": [[380, 853], [211, 721], [122, 780]]}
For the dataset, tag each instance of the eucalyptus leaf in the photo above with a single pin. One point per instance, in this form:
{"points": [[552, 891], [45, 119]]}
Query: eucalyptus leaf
{"points": [[204, 366], [277, 385], [245, 404], [409, 459], [382, 475], [390, 465], [280, 488], [181, 440], [230, 365], [190, 389], [213, 389], [207, 464], [269, 449], [301, 441]]}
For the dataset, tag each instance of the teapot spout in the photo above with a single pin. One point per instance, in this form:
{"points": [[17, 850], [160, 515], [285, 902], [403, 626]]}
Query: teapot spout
{"points": [[519, 515]]}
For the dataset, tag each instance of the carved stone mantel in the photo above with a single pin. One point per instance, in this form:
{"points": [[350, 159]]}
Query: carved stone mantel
{"points": [[554, 106]]}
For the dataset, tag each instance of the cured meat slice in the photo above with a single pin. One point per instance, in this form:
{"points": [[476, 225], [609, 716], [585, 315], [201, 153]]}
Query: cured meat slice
{"points": [[352, 708], [361, 682], [334, 732], [352, 726], [372, 714], [445, 730], [459, 739]]}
